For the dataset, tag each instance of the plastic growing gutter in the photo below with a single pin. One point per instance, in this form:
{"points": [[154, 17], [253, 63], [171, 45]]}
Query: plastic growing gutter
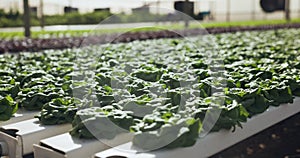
{"points": [[213, 142], [21, 115], [66, 146], [17, 139]]}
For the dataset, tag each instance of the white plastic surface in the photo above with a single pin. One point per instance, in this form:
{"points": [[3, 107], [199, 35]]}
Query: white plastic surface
{"points": [[213, 142], [65, 145], [28, 132], [21, 115]]}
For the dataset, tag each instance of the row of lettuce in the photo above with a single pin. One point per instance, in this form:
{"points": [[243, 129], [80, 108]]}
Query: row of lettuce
{"points": [[159, 90]]}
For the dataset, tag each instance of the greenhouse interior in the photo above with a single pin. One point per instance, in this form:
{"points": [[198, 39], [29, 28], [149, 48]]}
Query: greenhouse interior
{"points": [[150, 79]]}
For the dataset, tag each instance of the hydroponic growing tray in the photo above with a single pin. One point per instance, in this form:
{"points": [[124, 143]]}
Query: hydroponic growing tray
{"points": [[213, 142]]}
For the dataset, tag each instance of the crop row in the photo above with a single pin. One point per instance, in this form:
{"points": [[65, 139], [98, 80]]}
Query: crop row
{"points": [[161, 90], [37, 44]]}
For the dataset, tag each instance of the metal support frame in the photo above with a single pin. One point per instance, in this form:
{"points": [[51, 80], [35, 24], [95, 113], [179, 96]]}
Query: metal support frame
{"points": [[186, 18], [254, 2], [228, 10], [42, 21], [26, 18], [287, 10]]}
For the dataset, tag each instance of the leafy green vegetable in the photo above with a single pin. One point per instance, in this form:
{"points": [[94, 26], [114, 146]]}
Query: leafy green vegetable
{"points": [[59, 111], [158, 130], [106, 122], [161, 90], [34, 98], [8, 108], [149, 74]]}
